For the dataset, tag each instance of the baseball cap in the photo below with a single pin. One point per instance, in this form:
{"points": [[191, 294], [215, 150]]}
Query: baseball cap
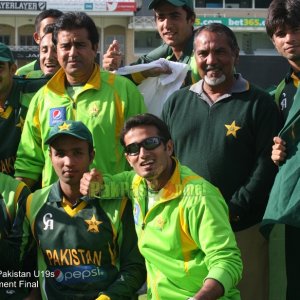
{"points": [[5, 54], [188, 3], [73, 128]]}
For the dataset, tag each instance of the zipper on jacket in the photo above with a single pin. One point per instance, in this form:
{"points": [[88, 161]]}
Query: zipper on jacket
{"points": [[143, 225]]}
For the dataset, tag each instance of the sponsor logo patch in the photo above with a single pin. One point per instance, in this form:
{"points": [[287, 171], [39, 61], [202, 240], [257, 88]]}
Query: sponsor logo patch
{"points": [[77, 274], [57, 114]]}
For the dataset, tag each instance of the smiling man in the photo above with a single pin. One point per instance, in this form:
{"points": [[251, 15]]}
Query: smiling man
{"points": [[46, 17], [223, 128], [283, 27], [83, 252], [181, 219], [78, 91], [174, 21], [48, 56]]}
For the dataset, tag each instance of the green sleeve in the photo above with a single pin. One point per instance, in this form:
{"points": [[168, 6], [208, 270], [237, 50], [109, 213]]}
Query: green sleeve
{"points": [[132, 267], [118, 185], [30, 157], [16, 246], [135, 100], [207, 220], [12, 194]]}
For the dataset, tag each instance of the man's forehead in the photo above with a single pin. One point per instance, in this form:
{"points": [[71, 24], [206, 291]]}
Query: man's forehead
{"points": [[287, 27], [210, 37], [46, 39], [73, 34]]}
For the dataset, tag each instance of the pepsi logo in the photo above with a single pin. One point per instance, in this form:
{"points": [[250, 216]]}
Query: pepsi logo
{"points": [[56, 114], [58, 275]]}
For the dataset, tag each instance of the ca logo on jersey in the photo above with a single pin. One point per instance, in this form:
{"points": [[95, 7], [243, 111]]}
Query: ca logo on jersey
{"points": [[48, 221], [283, 102]]}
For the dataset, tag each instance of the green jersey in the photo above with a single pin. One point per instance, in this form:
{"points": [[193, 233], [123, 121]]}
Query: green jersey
{"points": [[103, 104], [83, 250], [185, 236], [13, 117], [12, 194]]}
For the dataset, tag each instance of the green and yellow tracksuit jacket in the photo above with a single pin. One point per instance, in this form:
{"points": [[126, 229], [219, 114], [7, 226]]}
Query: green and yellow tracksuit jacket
{"points": [[103, 104], [185, 237], [12, 119], [84, 251]]}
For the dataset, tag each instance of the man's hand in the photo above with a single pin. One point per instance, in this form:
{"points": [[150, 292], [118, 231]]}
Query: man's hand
{"points": [[87, 179], [154, 72], [113, 57], [278, 150], [211, 290]]}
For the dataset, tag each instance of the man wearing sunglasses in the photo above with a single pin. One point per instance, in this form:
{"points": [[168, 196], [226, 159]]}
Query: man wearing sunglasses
{"points": [[181, 219]]}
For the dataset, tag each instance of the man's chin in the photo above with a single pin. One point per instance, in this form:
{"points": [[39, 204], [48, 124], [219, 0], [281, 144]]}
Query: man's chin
{"points": [[214, 81]]}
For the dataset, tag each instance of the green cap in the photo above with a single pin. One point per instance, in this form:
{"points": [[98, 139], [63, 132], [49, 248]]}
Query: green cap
{"points": [[5, 54], [73, 128], [188, 3]]}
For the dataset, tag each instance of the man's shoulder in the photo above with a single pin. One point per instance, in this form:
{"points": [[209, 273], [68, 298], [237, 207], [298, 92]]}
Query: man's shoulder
{"points": [[30, 85], [257, 93], [24, 70], [115, 80], [162, 51]]}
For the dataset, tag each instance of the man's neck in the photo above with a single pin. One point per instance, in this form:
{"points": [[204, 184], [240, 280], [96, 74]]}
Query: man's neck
{"points": [[74, 80], [295, 66], [215, 92], [177, 53], [71, 193], [158, 183]]}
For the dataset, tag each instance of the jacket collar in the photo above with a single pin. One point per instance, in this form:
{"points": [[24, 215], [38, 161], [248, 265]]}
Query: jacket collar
{"points": [[171, 190], [57, 82]]}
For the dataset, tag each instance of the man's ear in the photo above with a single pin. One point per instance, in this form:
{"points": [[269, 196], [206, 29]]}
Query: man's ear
{"points": [[92, 156], [13, 69], [170, 147], [36, 38]]}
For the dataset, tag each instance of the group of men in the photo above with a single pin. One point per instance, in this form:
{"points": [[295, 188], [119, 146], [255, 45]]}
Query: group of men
{"points": [[197, 224]]}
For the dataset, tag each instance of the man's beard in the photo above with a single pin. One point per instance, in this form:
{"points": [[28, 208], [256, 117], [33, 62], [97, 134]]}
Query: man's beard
{"points": [[214, 81]]}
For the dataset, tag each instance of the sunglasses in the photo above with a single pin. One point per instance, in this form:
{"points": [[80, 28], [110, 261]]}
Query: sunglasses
{"points": [[148, 144]]}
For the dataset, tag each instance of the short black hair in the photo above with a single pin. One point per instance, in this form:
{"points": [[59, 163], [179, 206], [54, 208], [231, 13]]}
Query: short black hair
{"points": [[281, 14], [48, 13], [222, 29], [77, 20], [146, 120], [49, 28]]}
